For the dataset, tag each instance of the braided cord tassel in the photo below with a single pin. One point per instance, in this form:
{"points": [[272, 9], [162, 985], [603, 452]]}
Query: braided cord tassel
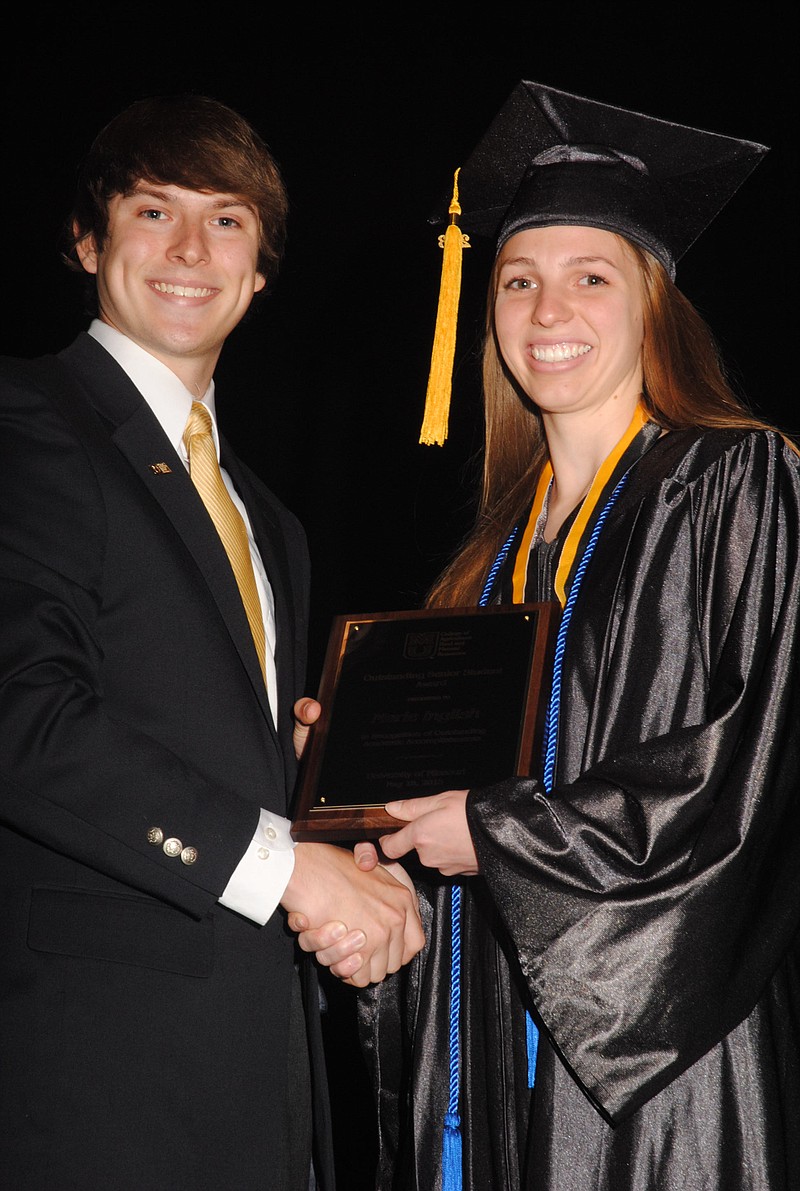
{"points": [[451, 1135], [551, 718], [451, 1138], [452, 1176], [440, 378], [553, 708]]}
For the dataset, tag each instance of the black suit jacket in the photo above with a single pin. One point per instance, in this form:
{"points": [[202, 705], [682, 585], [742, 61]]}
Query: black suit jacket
{"points": [[148, 1035]]}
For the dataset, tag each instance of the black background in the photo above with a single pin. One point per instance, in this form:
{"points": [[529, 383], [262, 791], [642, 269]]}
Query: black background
{"points": [[369, 110]]}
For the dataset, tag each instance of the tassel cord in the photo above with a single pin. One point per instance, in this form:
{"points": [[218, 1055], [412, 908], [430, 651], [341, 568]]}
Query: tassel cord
{"points": [[551, 717], [440, 377], [452, 1179], [451, 1136]]}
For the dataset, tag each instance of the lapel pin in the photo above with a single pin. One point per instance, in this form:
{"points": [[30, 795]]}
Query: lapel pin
{"points": [[160, 469]]}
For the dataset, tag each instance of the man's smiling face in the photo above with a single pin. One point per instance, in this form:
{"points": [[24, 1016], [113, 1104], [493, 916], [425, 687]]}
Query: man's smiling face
{"points": [[176, 273]]}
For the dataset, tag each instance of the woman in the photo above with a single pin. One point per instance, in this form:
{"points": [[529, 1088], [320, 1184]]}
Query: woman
{"points": [[632, 912]]}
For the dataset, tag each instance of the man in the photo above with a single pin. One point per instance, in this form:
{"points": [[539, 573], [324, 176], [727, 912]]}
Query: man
{"points": [[152, 1036]]}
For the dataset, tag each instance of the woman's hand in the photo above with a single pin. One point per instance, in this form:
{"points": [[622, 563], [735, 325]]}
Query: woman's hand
{"points": [[437, 829]]}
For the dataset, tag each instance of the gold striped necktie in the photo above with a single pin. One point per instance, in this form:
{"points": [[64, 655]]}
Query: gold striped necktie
{"points": [[207, 478]]}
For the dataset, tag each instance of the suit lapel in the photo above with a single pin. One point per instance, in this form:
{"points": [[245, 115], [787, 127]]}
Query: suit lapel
{"points": [[137, 434]]}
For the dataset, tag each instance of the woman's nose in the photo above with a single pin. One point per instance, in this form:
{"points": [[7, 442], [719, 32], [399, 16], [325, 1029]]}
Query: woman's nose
{"points": [[551, 307]]}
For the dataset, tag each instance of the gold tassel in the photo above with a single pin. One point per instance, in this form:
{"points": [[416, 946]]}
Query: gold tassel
{"points": [[440, 378]]}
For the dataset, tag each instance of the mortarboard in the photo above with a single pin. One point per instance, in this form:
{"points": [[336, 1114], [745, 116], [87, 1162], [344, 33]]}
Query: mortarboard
{"points": [[550, 157]]}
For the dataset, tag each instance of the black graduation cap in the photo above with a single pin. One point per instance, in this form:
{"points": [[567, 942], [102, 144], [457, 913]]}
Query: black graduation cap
{"points": [[550, 157]]}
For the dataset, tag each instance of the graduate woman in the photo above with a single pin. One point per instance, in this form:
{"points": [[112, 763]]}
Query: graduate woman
{"points": [[609, 999]]}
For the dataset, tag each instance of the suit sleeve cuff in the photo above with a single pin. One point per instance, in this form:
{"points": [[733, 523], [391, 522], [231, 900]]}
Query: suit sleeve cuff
{"points": [[258, 882]]}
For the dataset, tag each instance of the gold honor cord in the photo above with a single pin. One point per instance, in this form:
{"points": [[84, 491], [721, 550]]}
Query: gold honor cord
{"points": [[584, 516]]}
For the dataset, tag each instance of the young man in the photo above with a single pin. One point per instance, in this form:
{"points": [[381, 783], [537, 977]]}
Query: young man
{"points": [[153, 617]]}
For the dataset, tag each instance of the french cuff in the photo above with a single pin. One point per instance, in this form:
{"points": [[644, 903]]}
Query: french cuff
{"points": [[260, 878]]}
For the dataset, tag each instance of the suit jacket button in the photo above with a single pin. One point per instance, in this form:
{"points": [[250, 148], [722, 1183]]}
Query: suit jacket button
{"points": [[189, 855], [173, 847], [155, 836]]}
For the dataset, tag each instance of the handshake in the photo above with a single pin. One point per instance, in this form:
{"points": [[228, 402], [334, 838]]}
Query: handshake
{"points": [[358, 912]]}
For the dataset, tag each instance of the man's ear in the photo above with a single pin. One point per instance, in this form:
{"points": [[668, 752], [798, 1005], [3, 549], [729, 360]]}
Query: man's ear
{"points": [[86, 250]]}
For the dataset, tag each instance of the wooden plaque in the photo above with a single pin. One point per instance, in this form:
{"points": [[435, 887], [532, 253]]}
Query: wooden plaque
{"points": [[418, 702]]}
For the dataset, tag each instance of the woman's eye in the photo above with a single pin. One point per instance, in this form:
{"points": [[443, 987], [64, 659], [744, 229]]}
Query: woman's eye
{"points": [[592, 279], [519, 283]]}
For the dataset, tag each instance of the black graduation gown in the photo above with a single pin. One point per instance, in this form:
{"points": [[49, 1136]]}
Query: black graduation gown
{"points": [[647, 911]]}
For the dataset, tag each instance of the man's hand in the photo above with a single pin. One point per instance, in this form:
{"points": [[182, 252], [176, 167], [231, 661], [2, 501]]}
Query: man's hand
{"points": [[306, 713], [438, 831], [361, 924]]}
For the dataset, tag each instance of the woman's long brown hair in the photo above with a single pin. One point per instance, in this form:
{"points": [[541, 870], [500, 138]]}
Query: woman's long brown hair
{"points": [[684, 386]]}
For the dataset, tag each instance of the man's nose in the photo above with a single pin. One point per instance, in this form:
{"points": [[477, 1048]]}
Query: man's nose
{"points": [[189, 245]]}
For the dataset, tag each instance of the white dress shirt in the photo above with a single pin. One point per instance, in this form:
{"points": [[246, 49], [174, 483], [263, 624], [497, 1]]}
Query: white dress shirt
{"points": [[261, 876]]}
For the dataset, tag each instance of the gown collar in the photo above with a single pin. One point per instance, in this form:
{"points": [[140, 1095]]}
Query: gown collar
{"points": [[636, 440]]}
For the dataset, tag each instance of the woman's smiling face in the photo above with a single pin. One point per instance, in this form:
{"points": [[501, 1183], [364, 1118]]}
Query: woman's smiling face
{"points": [[569, 318]]}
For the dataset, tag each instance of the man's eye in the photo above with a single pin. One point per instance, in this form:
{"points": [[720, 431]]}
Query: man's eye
{"points": [[227, 221], [152, 213]]}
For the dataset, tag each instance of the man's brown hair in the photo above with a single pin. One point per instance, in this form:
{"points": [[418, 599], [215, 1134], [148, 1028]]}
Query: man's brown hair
{"points": [[180, 140]]}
